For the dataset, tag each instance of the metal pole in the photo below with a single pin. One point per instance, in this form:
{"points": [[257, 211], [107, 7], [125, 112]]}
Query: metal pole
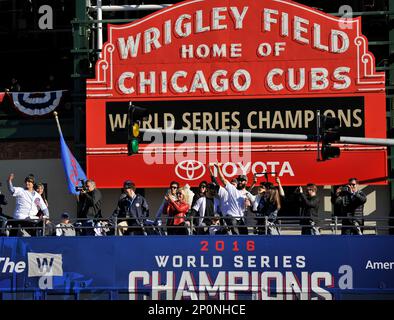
{"points": [[336, 225], [116, 225], [128, 7], [270, 136], [391, 108], [57, 121], [266, 225], [99, 28], [81, 32], [191, 225], [372, 141], [318, 134]]}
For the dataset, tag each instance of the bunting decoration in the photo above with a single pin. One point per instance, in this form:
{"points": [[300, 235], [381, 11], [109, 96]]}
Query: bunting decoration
{"points": [[2, 94], [36, 103]]}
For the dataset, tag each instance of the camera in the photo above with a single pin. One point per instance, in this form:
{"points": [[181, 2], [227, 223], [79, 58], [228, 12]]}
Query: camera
{"points": [[83, 187], [345, 189]]}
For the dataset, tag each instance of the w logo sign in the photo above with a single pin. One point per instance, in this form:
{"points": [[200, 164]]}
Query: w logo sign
{"points": [[45, 264]]}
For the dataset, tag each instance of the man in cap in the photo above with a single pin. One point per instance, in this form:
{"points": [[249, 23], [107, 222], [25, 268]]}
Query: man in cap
{"points": [[65, 227], [235, 204], [216, 226], [132, 210]]}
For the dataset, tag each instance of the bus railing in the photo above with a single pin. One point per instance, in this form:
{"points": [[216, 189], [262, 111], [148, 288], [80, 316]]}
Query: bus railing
{"points": [[285, 225]]}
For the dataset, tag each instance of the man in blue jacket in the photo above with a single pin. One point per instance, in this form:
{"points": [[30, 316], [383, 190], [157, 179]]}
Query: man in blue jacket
{"points": [[132, 211]]}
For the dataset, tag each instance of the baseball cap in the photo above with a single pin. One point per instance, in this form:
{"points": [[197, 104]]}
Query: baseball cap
{"points": [[65, 215], [242, 178], [128, 184]]}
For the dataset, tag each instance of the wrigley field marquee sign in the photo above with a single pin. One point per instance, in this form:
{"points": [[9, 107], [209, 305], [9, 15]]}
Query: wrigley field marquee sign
{"points": [[235, 48], [264, 66]]}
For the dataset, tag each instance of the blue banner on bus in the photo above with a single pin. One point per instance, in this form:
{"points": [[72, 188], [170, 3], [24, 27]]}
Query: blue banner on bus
{"points": [[181, 267]]}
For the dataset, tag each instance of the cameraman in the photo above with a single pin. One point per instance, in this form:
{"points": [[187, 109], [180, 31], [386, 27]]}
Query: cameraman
{"points": [[349, 201], [89, 205]]}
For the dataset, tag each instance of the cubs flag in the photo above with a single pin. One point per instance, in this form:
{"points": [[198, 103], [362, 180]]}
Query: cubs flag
{"points": [[72, 169]]}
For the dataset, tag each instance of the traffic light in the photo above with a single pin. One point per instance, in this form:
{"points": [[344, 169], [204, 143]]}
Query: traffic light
{"points": [[135, 115], [329, 132]]}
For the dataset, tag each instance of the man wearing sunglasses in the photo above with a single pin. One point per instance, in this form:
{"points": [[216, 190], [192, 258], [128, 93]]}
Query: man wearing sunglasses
{"points": [[351, 202], [309, 209]]}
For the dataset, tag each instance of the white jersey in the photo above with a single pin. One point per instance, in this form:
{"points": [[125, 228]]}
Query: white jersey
{"points": [[27, 203], [235, 202], [223, 198]]}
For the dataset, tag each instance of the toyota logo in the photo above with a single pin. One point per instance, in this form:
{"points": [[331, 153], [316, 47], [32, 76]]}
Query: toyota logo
{"points": [[190, 170]]}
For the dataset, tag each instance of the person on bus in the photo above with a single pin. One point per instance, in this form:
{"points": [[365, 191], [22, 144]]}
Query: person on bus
{"points": [[350, 200], [309, 209], [177, 210]]}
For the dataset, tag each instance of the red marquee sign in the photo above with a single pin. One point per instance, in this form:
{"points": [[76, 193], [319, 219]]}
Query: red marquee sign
{"points": [[265, 66]]}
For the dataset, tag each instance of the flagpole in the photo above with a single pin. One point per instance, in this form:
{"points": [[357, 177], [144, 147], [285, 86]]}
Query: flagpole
{"points": [[57, 122], [72, 169]]}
